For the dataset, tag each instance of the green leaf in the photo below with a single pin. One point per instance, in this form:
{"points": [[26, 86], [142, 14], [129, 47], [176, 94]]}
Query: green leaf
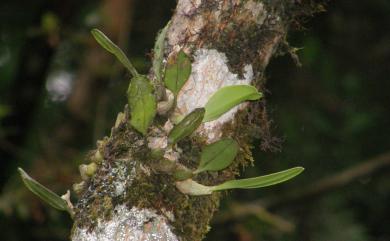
{"points": [[177, 72], [217, 155], [262, 181], [108, 45], [228, 97], [42, 192], [142, 103], [159, 53], [187, 126]]}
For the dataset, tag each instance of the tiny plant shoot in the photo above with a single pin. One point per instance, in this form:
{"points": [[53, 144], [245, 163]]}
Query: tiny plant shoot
{"points": [[141, 99]]}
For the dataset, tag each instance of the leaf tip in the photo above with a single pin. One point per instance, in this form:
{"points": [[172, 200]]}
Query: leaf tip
{"points": [[257, 96], [96, 32], [299, 169], [22, 173]]}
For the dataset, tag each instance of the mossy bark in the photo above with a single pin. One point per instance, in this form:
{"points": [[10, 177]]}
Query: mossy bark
{"points": [[246, 33]]}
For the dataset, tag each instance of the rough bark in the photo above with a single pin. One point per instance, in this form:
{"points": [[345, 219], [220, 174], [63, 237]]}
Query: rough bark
{"points": [[230, 42]]}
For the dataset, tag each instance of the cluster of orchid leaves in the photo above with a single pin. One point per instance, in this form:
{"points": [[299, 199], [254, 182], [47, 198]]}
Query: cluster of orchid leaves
{"points": [[143, 108]]}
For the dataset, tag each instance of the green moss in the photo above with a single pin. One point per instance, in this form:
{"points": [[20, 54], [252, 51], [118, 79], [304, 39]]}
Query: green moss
{"points": [[125, 149], [159, 193]]}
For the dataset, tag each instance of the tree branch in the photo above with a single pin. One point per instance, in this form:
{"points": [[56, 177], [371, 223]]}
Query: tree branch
{"points": [[230, 42], [238, 211]]}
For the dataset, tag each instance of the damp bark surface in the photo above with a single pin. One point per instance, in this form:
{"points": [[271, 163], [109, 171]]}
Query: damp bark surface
{"points": [[230, 43]]}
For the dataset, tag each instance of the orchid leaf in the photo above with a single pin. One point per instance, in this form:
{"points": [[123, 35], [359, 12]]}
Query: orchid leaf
{"points": [[228, 97], [193, 188], [261, 181], [142, 103], [42, 192], [217, 156], [159, 53], [186, 126], [108, 45], [177, 72]]}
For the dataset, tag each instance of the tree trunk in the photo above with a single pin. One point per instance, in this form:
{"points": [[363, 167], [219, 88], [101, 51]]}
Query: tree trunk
{"points": [[230, 42]]}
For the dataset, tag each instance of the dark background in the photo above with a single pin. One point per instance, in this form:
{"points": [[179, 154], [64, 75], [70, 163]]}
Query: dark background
{"points": [[60, 92]]}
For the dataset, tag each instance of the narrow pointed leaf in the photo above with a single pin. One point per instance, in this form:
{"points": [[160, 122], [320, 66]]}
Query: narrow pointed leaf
{"points": [[177, 72], [159, 53], [142, 103], [217, 155], [187, 126], [261, 181], [108, 45], [228, 97], [42, 192]]}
